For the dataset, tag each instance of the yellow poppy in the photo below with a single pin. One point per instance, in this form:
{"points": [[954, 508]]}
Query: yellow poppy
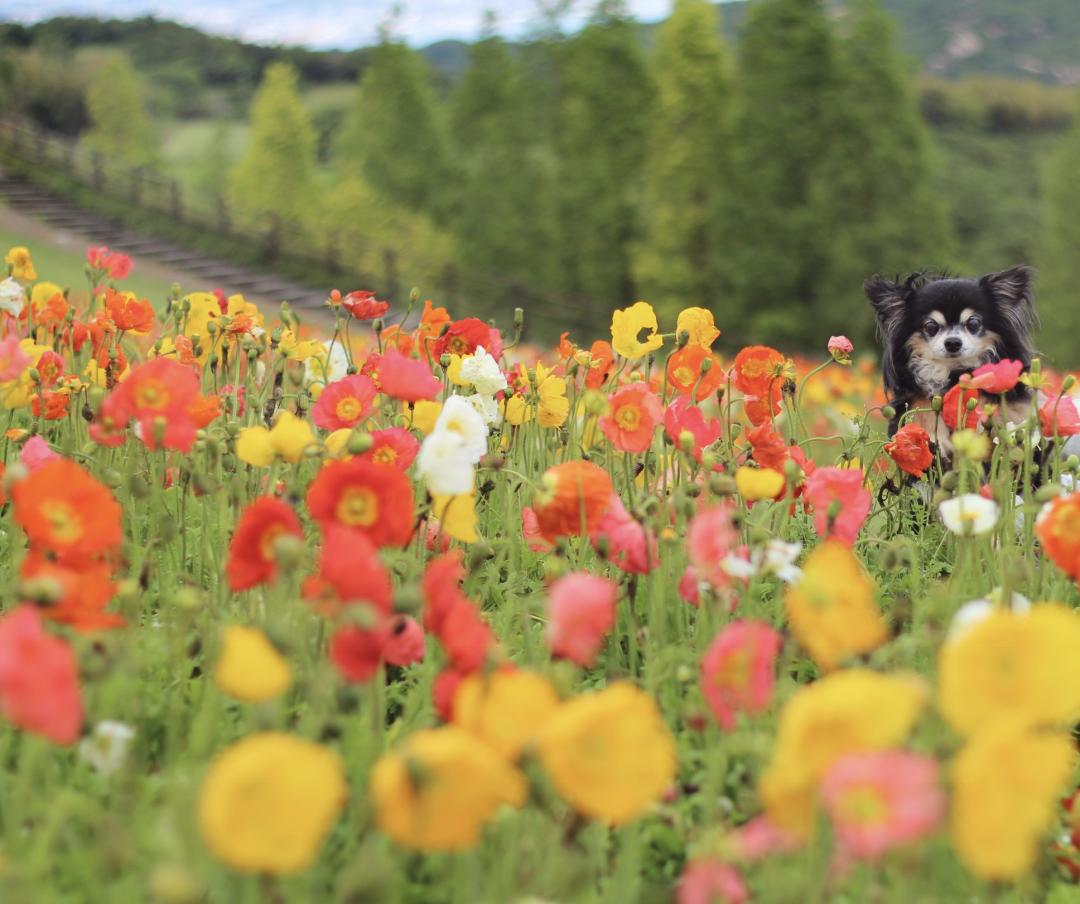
{"points": [[699, 325], [627, 327], [506, 708], [249, 668]]}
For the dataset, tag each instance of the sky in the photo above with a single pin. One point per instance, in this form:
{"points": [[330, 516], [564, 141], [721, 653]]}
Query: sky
{"points": [[321, 23]]}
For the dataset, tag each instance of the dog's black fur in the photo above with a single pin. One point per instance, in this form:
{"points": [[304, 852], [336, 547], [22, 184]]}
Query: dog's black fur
{"points": [[934, 328]]}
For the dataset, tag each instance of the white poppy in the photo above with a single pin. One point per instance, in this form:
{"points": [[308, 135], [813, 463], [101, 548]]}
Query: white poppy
{"points": [[483, 372], [445, 464], [12, 297], [969, 514], [106, 747]]}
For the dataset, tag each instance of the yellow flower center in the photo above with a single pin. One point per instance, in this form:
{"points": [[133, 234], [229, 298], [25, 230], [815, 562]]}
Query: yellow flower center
{"points": [[66, 525], [734, 671], [358, 507], [756, 367], [685, 376], [1067, 523], [266, 543], [458, 346], [864, 805], [628, 417], [151, 394], [385, 455], [349, 408]]}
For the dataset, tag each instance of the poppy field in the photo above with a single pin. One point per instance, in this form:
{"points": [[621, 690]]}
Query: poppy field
{"points": [[403, 609]]}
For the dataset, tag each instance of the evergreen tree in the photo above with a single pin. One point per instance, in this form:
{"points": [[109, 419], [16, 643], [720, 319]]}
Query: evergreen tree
{"points": [[504, 217], [875, 184], [601, 135], [1060, 258], [275, 176], [392, 135], [681, 259], [120, 127], [778, 238]]}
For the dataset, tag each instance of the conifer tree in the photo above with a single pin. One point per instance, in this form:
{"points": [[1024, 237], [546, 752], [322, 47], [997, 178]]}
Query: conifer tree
{"points": [[680, 262], [275, 175], [120, 128], [503, 211], [601, 134], [1059, 289], [778, 242], [875, 184], [392, 135]]}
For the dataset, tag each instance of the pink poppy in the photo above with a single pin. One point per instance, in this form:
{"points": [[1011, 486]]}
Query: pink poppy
{"points": [[737, 670], [632, 417], [683, 417], [530, 530], [13, 361], [344, 403], [406, 378], [629, 545], [840, 502], [690, 586], [881, 800], [404, 642], [841, 349], [761, 838], [36, 452], [581, 611], [709, 540], [995, 378], [709, 881]]}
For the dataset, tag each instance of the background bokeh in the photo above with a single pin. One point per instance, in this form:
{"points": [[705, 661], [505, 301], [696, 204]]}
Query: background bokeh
{"points": [[758, 158]]}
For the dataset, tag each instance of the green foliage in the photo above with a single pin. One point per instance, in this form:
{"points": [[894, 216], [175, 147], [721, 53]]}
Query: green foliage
{"points": [[1061, 250], [780, 235], [274, 178], [600, 138], [120, 127], [874, 184], [688, 169], [392, 136], [35, 86], [503, 210]]}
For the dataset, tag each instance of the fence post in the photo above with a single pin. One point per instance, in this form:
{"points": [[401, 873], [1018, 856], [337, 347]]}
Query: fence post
{"points": [[390, 273]]}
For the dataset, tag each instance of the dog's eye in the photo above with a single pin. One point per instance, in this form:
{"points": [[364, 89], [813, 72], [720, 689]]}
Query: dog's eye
{"points": [[974, 324], [931, 327]]}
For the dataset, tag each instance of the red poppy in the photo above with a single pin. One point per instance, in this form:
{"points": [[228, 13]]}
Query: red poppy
{"points": [[761, 410], [683, 417], [452, 617], [50, 368], [371, 499], [350, 573], [404, 642], [1058, 417], [910, 449], [66, 511], [687, 372], [158, 395], [954, 408], [444, 690], [572, 498], [394, 446], [441, 586], [344, 403], [115, 264], [769, 448], [357, 652], [39, 687], [252, 558], [204, 410], [406, 378], [364, 306], [463, 336], [632, 418]]}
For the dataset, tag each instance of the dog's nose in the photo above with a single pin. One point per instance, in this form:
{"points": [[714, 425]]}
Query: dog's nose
{"points": [[953, 345]]}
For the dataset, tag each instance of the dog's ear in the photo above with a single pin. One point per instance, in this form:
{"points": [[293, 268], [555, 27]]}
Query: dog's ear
{"points": [[1012, 293], [888, 299]]}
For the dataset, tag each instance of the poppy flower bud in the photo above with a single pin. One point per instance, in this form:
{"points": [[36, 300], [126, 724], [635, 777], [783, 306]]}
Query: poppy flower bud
{"points": [[950, 480], [41, 591], [1072, 463], [519, 318], [1048, 492], [889, 412], [445, 360], [723, 485], [936, 402], [288, 552], [172, 884], [189, 599], [479, 553], [408, 600], [138, 487], [683, 339], [358, 443], [706, 364], [1068, 383]]}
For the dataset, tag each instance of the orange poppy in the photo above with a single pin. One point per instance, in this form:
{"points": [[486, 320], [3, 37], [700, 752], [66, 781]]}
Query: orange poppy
{"points": [[635, 411], [63, 509], [130, 314], [910, 449], [572, 498], [685, 372], [82, 593], [1058, 529], [757, 368]]}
